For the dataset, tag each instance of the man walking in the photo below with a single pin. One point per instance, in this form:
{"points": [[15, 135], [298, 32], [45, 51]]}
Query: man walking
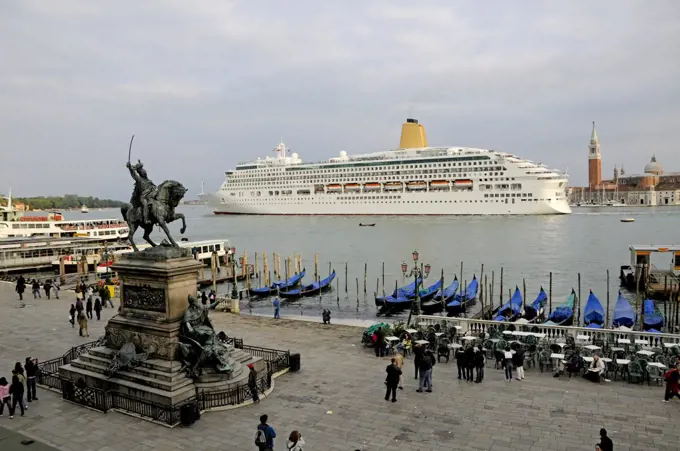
{"points": [[31, 368], [518, 363], [277, 308], [460, 362], [379, 342], [392, 380], [21, 287]]}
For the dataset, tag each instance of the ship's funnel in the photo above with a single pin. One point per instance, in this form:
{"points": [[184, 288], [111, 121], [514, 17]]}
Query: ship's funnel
{"points": [[412, 135]]}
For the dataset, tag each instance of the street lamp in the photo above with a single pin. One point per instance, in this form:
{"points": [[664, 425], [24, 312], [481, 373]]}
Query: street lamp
{"points": [[417, 272]]}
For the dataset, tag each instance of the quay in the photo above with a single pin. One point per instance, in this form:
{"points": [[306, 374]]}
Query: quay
{"points": [[336, 400]]}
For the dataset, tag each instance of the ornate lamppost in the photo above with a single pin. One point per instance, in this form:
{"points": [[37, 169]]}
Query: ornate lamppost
{"points": [[418, 273]]}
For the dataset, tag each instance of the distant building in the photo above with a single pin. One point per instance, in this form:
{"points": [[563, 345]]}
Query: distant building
{"points": [[652, 187]]}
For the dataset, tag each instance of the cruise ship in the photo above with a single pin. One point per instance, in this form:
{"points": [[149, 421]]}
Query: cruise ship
{"points": [[414, 179]]}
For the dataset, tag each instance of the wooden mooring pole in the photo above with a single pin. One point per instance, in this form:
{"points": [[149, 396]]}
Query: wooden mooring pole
{"points": [[482, 288], [606, 312], [346, 279], [524, 293], [365, 275], [357, 290], [578, 315], [383, 276], [550, 295], [491, 291], [501, 296]]}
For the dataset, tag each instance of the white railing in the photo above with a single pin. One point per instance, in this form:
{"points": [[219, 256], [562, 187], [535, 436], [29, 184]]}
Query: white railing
{"points": [[553, 333]]}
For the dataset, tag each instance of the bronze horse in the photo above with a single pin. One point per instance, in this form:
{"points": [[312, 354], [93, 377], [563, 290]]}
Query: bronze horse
{"points": [[161, 211]]}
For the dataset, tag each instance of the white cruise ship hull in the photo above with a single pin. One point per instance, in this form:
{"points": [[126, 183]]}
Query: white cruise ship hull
{"points": [[422, 203]]}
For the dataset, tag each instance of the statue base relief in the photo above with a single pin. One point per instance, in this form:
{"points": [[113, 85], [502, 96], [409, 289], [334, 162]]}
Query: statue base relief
{"points": [[155, 285]]}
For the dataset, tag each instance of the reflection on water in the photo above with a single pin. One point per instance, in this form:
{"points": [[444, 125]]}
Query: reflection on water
{"points": [[589, 241]]}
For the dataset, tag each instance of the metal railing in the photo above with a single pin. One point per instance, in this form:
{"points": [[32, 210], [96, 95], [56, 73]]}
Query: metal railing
{"points": [[105, 400], [552, 332]]}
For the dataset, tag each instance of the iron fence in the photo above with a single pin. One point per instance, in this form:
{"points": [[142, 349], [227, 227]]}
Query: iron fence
{"points": [[276, 359], [169, 415], [80, 393], [234, 396]]}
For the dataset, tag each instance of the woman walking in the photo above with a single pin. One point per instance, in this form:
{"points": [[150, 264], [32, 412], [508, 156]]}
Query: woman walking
{"points": [[82, 323], [21, 287], [5, 397], [507, 363], [17, 391], [88, 307], [98, 308]]}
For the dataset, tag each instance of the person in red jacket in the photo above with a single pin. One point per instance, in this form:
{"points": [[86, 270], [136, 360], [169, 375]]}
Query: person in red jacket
{"points": [[671, 377]]}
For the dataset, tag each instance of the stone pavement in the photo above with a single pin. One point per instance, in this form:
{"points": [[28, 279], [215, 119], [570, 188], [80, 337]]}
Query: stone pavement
{"points": [[336, 400]]}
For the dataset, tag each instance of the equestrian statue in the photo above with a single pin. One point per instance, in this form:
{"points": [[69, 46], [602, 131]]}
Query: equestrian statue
{"points": [[151, 205]]}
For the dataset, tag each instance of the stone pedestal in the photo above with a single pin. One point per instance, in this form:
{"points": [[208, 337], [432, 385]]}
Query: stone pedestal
{"points": [[155, 286]]}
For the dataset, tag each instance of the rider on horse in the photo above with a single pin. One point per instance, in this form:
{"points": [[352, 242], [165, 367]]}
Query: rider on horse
{"points": [[145, 191]]}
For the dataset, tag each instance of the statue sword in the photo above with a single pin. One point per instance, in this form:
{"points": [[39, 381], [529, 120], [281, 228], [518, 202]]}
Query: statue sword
{"points": [[130, 148]]}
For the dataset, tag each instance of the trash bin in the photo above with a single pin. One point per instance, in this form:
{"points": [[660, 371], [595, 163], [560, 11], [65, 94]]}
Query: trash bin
{"points": [[188, 414], [295, 362]]}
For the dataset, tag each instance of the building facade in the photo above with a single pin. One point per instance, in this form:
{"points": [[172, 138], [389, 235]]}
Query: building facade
{"points": [[652, 187]]}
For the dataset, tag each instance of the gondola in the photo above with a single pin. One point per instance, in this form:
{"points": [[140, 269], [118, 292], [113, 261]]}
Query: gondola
{"points": [[366, 225], [624, 315], [510, 311], [534, 313], [405, 291], [405, 298], [282, 285], [309, 290], [461, 303], [593, 313], [563, 315], [428, 293], [440, 299], [653, 317]]}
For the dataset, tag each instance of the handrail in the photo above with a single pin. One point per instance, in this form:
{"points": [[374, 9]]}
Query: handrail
{"points": [[553, 332]]}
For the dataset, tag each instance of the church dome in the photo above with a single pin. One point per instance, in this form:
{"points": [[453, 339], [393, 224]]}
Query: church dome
{"points": [[653, 167]]}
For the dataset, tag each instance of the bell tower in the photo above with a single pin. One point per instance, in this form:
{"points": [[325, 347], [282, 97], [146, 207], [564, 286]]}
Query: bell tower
{"points": [[594, 161]]}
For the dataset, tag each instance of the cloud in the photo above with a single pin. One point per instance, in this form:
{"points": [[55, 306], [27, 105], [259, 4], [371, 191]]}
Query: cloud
{"points": [[205, 84]]}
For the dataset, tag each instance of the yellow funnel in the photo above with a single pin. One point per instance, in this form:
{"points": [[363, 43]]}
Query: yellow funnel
{"points": [[412, 135]]}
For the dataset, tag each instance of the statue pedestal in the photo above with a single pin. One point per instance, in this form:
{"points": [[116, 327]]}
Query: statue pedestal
{"points": [[155, 286]]}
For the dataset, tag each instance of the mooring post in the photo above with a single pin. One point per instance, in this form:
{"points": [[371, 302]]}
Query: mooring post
{"points": [[578, 316], [365, 275], [501, 297], [383, 276], [357, 290], [550, 295], [606, 316], [346, 279], [493, 272], [482, 287], [524, 293]]}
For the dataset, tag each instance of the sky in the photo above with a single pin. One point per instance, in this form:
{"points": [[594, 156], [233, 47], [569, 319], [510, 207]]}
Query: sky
{"points": [[207, 83]]}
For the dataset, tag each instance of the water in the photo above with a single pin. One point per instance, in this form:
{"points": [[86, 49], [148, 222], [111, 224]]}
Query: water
{"points": [[528, 248]]}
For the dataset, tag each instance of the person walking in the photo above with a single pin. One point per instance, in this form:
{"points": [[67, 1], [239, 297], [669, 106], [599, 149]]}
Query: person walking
{"points": [[204, 298], [671, 377], [72, 315], [105, 294], [98, 308], [47, 286], [31, 367], [79, 307], [56, 286], [79, 290], [469, 362], [295, 442], [252, 383], [17, 392], [21, 376], [264, 439], [5, 396], [88, 307], [480, 361], [82, 324], [518, 363], [392, 380], [426, 364], [36, 289], [277, 308], [507, 363], [606, 443], [21, 287]]}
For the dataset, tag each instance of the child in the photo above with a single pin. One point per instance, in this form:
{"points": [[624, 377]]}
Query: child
{"points": [[671, 377]]}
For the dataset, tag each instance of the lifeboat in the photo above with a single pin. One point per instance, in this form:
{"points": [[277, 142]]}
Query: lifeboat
{"points": [[372, 187], [352, 187], [463, 183], [439, 184], [393, 186], [334, 188], [416, 186]]}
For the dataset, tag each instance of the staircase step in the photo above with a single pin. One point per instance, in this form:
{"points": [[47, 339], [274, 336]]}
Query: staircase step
{"points": [[166, 382]]}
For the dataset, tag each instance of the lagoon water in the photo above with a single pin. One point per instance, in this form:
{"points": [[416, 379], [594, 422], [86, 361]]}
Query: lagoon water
{"points": [[590, 241]]}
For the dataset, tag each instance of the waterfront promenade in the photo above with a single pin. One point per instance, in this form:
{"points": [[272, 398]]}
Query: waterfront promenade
{"points": [[336, 400]]}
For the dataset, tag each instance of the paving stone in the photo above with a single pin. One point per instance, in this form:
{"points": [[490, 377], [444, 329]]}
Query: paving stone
{"points": [[338, 375]]}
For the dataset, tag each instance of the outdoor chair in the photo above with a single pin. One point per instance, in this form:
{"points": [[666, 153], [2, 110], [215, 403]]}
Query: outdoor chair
{"points": [[654, 374], [530, 356], [544, 360], [574, 364], [611, 368], [635, 371], [443, 350]]}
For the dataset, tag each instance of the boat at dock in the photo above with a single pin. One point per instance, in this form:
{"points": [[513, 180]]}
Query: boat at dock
{"points": [[403, 292], [563, 315], [18, 224], [624, 314], [312, 289], [428, 293], [279, 286], [440, 299], [510, 311], [535, 312], [462, 302], [84, 209], [593, 313], [653, 318]]}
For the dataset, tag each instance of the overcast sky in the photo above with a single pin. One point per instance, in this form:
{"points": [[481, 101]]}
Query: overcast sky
{"points": [[204, 84]]}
